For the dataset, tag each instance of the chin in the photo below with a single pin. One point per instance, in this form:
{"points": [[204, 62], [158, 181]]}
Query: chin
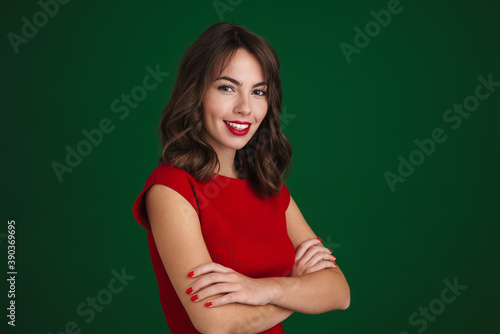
{"points": [[236, 147]]}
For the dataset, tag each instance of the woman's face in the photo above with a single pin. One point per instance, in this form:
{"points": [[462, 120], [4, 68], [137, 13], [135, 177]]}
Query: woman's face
{"points": [[238, 95]]}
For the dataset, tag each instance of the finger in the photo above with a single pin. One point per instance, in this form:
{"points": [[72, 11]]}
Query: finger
{"points": [[319, 256], [233, 297], [320, 266], [209, 279], [303, 247], [215, 289], [208, 267], [313, 251], [329, 251]]}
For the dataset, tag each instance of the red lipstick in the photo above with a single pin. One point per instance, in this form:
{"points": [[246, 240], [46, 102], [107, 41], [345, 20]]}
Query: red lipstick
{"points": [[236, 131]]}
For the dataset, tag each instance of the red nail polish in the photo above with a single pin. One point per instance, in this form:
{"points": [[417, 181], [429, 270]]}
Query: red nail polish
{"points": [[191, 274], [189, 290], [208, 304], [330, 251], [194, 298], [319, 239]]}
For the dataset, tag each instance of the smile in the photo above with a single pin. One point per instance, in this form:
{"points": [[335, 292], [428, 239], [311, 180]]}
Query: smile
{"points": [[237, 126]]}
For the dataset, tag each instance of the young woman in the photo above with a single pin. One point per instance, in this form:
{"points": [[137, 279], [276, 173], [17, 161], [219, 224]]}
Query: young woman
{"points": [[231, 251]]}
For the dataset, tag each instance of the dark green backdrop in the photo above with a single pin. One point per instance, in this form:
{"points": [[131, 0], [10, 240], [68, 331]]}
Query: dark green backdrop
{"points": [[351, 116]]}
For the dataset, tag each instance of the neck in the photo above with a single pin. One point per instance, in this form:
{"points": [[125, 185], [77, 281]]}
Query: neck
{"points": [[226, 160]]}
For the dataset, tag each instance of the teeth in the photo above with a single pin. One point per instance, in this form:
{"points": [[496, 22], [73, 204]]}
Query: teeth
{"points": [[237, 126]]}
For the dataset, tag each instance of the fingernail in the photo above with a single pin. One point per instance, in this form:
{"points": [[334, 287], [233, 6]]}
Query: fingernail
{"points": [[194, 298], [208, 304], [334, 264], [330, 251], [334, 258], [189, 290], [319, 239], [191, 274]]}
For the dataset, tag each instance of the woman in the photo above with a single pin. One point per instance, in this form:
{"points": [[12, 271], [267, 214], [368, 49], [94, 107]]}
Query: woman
{"points": [[231, 251]]}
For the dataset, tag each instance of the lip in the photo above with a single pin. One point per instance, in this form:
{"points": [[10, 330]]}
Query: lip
{"points": [[238, 122], [238, 132]]}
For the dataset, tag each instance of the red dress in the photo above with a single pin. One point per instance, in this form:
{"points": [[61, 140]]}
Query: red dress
{"points": [[241, 231]]}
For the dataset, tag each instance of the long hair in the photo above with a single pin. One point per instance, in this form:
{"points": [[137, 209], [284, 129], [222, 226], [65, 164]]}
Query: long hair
{"points": [[266, 158]]}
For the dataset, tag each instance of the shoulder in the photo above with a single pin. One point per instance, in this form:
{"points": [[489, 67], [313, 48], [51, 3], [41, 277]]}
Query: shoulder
{"points": [[176, 179], [171, 176], [167, 171]]}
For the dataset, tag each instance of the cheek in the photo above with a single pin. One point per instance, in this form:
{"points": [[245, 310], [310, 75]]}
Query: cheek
{"points": [[263, 111], [210, 116], [208, 107], [215, 107]]}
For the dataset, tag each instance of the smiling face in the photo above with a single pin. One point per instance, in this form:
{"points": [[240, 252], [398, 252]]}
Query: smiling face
{"points": [[235, 103]]}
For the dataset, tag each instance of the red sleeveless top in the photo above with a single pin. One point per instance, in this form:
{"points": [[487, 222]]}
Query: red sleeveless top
{"points": [[241, 231]]}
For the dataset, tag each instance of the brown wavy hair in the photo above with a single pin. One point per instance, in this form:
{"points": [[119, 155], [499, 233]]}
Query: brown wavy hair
{"points": [[266, 158]]}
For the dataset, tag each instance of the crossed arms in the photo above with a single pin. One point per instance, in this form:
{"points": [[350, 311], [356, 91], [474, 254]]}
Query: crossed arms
{"points": [[227, 301]]}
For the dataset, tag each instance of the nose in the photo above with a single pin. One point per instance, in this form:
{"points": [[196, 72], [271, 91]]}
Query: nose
{"points": [[242, 105]]}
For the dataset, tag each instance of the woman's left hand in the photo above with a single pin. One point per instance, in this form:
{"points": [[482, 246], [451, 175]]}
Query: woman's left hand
{"points": [[238, 288]]}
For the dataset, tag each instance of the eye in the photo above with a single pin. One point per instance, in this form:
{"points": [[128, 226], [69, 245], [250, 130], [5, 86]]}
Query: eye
{"points": [[224, 88], [260, 92]]}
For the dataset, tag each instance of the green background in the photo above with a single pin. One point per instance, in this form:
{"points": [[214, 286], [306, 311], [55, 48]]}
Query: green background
{"points": [[347, 123]]}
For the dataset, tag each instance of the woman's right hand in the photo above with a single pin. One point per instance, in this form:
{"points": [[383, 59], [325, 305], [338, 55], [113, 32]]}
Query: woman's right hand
{"points": [[311, 257]]}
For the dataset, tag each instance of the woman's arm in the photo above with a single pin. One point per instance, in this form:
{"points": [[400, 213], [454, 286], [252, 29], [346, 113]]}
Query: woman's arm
{"points": [[318, 292], [315, 293], [178, 237], [322, 288]]}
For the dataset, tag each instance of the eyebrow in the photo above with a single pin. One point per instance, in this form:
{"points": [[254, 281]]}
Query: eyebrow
{"points": [[236, 82]]}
